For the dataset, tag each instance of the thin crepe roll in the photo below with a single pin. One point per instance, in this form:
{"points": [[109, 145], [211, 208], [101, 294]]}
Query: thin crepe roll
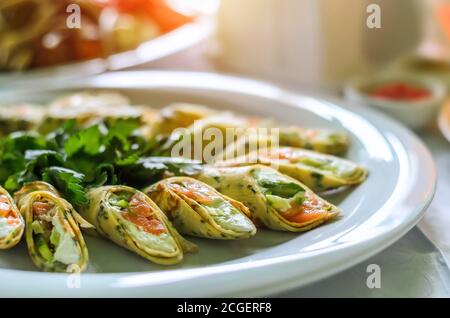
{"points": [[53, 236], [149, 120], [132, 220], [11, 221], [179, 115], [248, 143], [275, 200], [197, 209], [87, 108], [90, 100], [34, 186], [20, 117], [321, 140], [44, 186], [199, 141], [88, 117], [317, 171]]}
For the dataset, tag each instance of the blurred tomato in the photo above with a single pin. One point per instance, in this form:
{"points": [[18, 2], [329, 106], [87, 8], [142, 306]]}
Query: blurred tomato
{"points": [[157, 10], [128, 6], [88, 49], [166, 18]]}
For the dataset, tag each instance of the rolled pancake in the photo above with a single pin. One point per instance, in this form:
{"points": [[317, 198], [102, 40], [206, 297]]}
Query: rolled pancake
{"points": [[89, 107], [11, 221], [22, 117], [179, 115], [53, 236], [317, 171], [321, 140], [199, 210], [275, 200], [132, 220]]}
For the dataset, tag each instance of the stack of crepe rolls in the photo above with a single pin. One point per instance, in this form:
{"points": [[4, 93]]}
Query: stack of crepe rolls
{"points": [[132, 220], [53, 236], [319, 172], [11, 222], [321, 140], [275, 200], [244, 134], [199, 210]]}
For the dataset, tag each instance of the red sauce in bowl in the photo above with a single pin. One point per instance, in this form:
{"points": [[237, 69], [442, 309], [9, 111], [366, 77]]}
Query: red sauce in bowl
{"points": [[400, 91]]}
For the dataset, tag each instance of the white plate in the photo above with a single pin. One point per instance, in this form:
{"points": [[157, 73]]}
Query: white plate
{"points": [[444, 120], [377, 213], [149, 51]]}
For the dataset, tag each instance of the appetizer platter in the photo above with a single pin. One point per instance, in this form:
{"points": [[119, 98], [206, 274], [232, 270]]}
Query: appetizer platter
{"points": [[91, 183]]}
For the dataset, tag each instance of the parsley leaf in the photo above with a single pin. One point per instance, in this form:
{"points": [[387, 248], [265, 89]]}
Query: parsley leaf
{"points": [[88, 140], [148, 170], [68, 182]]}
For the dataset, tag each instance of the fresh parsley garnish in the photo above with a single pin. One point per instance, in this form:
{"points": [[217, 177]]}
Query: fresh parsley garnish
{"points": [[74, 160]]}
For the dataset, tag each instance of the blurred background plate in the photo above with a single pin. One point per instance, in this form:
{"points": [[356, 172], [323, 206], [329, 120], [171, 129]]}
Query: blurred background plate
{"points": [[152, 50]]}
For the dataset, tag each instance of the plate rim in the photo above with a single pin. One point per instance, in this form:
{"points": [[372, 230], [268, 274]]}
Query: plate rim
{"points": [[376, 244]]}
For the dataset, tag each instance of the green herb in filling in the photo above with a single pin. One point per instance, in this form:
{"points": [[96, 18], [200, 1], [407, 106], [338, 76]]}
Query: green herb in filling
{"points": [[37, 227], [275, 185], [43, 248], [281, 194], [228, 217], [53, 242], [337, 167], [55, 237], [120, 199]]}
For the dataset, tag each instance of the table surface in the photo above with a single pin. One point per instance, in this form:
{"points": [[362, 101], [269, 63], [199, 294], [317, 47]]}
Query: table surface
{"points": [[415, 266]]}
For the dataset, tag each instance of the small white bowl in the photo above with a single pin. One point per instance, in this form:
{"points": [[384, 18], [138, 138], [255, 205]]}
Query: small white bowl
{"points": [[413, 113]]}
